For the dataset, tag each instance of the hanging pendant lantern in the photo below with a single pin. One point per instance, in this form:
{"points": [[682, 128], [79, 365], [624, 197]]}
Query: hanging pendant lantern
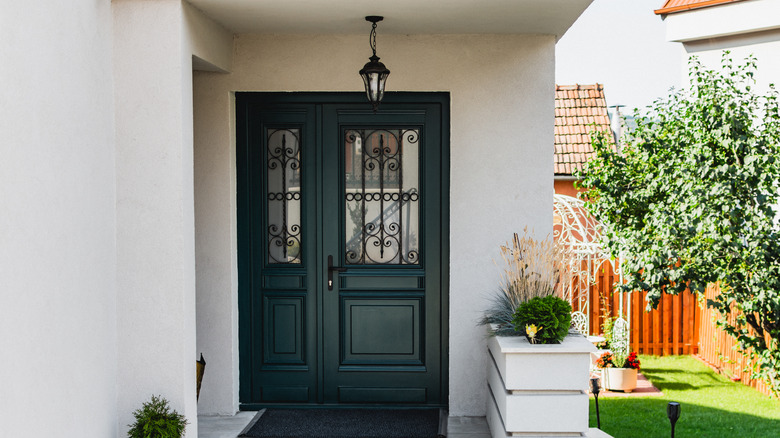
{"points": [[374, 73]]}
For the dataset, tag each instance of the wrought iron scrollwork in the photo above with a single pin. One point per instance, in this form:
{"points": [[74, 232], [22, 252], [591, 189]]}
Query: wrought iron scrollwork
{"points": [[575, 228], [580, 322], [382, 208], [620, 336], [284, 195]]}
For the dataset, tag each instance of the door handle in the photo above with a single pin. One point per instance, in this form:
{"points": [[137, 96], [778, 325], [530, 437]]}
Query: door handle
{"points": [[331, 270]]}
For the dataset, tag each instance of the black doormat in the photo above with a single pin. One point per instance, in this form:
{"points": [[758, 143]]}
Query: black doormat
{"points": [[346, 423]]}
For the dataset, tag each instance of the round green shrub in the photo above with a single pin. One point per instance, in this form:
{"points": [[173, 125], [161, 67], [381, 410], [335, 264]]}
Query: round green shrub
{"points": [[156, 419], [551, 315]]}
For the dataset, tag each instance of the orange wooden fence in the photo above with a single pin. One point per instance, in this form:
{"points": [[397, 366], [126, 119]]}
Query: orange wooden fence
{"points": [[679, 325], [719, 350], [672, 328]]}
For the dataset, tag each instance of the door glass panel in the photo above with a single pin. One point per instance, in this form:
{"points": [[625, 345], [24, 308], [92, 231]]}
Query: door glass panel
{"points": [[284, 195], [382, 196]]}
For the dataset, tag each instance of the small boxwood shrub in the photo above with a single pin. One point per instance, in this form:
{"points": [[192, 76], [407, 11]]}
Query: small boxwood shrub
{"points": [[156, 419], [551, 316]]}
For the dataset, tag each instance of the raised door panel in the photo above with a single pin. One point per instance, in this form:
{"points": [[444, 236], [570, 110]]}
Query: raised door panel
{"points": [[381, 332], [284, 326]]}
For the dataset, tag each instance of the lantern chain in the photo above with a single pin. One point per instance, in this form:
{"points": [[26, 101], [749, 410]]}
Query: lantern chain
{"points": [[372, 38]]}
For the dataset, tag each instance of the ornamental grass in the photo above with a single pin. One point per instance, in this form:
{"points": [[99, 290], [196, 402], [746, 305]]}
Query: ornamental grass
{"points": [[532, 268]]}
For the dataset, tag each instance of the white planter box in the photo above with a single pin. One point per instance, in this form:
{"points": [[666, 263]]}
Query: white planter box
{"points": [[538, 390]]}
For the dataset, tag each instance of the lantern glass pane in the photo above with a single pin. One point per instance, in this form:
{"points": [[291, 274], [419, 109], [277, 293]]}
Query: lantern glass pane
{"points": [[374, 87]]}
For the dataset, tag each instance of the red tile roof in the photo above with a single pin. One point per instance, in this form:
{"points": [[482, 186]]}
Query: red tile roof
{"points": [[672, 6], [579, 110]]}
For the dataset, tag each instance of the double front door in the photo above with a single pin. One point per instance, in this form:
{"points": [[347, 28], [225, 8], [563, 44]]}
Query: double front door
{"points": [[342, 249]]}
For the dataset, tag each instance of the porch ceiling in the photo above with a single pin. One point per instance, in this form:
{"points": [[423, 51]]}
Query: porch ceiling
{"points": [[551, 17]]}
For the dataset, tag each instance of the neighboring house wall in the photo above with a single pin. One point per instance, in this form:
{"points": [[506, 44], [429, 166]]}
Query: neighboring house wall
{"points": [[565, 187], [744, 27], [58, 354], [501, 120]]}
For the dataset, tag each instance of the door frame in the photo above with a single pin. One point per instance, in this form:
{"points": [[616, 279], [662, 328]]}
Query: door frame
{"points": [[244, 216]]}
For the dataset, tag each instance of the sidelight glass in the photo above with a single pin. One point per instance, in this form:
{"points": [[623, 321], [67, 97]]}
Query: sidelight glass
{"points": [[382, 196], [283, 169]]}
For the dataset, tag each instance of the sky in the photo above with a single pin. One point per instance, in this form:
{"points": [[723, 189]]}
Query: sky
{"points": [[621, 44]]}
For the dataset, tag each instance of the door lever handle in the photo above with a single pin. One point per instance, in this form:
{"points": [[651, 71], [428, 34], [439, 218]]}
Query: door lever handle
{"points": [[331, 270]]}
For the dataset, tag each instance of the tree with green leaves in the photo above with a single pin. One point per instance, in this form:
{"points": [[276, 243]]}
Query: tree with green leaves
{"points": [[690, 198]]}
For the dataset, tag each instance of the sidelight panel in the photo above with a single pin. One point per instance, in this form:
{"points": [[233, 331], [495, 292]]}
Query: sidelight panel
{"points": [[284, 195]]}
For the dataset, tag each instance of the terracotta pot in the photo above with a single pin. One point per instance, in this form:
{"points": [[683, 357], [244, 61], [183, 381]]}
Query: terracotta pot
{"points": [[619, 379]]}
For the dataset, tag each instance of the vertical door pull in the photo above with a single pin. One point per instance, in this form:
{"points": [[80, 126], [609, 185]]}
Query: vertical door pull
{"points": [[331, 270]]}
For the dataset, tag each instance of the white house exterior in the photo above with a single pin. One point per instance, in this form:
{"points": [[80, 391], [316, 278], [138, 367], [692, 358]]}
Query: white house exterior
{"points": [[119, 233], [744, 27]]}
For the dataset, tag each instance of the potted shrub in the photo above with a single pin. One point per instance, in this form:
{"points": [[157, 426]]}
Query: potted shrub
{"points": [[618, 371], [536, 371], [155, 419], [538, 382]]}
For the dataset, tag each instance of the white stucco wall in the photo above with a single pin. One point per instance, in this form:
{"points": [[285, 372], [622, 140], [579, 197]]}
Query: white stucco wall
{"points": [[155, 237], [210, 44], [98, 185], [155, 44], [502, 90], [57, 221]]}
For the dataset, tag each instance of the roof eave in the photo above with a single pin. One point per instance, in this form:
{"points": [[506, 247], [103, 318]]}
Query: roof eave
{"points": [[683, 8]]}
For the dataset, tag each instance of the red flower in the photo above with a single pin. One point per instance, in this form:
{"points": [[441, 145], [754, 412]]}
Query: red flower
{"points": [[632, 361]]}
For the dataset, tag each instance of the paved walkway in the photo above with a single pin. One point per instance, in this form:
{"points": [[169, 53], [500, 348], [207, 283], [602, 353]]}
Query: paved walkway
{"points": [[230, 427], [644, 388]]}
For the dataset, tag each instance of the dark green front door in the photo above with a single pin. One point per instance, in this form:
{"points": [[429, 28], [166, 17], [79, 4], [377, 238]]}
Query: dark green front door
{"points": [[342, 249]]}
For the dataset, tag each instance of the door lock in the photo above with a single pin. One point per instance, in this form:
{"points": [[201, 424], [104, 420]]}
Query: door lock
{"points": [[331, 270]]}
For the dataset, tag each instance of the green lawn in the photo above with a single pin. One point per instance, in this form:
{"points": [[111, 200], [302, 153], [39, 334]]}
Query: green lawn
{"points": [[711, 405]]}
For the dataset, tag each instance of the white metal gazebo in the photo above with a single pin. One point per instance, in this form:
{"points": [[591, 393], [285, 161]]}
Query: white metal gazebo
{"points": [[581, 233]]}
